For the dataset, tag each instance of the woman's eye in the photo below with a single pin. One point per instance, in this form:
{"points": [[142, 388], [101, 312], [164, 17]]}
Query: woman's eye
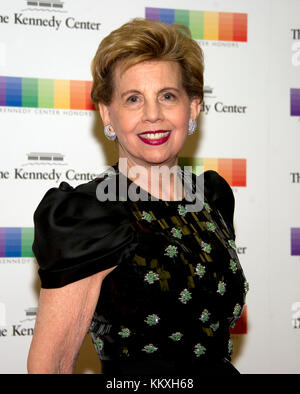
{"points": [[132, 99], [169, 96]]}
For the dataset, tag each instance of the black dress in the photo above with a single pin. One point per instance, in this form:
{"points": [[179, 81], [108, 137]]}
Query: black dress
{"points": [[178, 286]]}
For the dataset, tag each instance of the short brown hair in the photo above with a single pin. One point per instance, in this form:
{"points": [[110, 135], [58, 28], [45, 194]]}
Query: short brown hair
{"points": [[143, 40]]}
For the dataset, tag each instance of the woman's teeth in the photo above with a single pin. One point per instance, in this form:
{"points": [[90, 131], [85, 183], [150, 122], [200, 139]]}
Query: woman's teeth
{"points": [[154, 136]]}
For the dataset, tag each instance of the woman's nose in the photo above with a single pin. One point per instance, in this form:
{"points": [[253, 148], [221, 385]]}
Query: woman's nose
{"points": [[152, 111]]}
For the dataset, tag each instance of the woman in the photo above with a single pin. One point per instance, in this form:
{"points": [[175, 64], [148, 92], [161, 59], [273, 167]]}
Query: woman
{"points": [[171, 283]]}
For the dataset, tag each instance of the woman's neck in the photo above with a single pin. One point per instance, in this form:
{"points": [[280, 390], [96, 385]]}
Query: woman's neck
{"points": [[161, 181]]}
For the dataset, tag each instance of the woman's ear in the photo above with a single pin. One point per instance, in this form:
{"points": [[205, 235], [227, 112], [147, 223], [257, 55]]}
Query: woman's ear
{"points": [[195, 107], [104, 113]]}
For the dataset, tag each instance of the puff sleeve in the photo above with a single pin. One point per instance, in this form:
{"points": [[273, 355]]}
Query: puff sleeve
{"points": [[76, 236], [218, 191]]}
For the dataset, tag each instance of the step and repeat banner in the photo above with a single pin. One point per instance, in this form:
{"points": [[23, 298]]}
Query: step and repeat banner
{"points": [[248, 131]]}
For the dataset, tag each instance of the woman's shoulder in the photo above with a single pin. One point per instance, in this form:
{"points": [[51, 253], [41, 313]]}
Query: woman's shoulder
{"points": [[76, 235], [84, 197], [216, 186], [218, 192]]}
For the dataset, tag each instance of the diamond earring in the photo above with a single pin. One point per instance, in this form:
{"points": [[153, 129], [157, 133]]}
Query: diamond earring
{"points": [[111, 135], [192, 126]]}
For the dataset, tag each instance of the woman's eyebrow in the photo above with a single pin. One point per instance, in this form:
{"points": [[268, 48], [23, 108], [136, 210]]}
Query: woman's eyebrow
{"points": [[134, 91], [131, 91], [170, 88]]}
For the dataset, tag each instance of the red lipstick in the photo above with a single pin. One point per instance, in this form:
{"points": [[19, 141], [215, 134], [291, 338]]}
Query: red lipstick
{"points": [[164, 136]]}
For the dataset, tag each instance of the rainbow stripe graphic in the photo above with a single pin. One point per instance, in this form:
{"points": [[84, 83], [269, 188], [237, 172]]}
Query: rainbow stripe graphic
{"points": [[295, 102], [45, 93], [233, 170], [295, 241], [205, 25], [16, 241]]}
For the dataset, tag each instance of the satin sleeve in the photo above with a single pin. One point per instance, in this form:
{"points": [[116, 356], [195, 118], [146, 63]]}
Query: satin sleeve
{"points": [[76, 236], [220, 194]]}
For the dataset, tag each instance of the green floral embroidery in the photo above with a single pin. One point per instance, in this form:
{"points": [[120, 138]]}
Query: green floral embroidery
{"points": [[233, 266], [124, 333], [211, 226], [176, 233], [199, 350], [171, 251], [221, 288], [185, 296], [151, 277], [215, 326], [230, 346], [200, 270], [205, 247], [149, 348], [181, 210], [207, 207], [176, 336], [232, 325], [205, 315], [147, 216], [99, 344], [246, 287], [237, 310], [232, 243], [152, 320]]}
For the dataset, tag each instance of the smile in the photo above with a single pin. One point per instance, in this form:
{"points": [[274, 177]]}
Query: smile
{"points": [[155, 137]]}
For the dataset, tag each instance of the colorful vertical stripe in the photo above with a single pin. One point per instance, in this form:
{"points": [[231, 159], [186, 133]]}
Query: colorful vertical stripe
{"points": [[211, 26], [13, 92], [16, 241], [2, 242], [61, 94], [45, 93], [2, 91], [295, 241], [29, 92], [295, 102], [232, 170], [205, 25], [226, 26]]}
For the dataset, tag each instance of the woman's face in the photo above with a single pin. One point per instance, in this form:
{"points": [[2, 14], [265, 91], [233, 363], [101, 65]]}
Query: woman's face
{"points": [[149, 112]]}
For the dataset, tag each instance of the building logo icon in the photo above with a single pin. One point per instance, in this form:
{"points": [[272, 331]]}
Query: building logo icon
{"points": [[57, 4], [207, 91], [45, 158], [296, 315], [31, 312]]}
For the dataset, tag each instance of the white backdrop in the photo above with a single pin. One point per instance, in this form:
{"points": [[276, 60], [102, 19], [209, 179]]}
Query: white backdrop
{"points": [[49, 115]]}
